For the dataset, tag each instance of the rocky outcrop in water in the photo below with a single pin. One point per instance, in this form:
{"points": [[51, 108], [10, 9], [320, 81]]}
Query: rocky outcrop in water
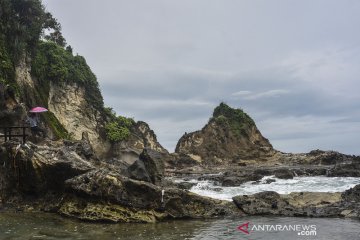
{"points": [[230, 136]]}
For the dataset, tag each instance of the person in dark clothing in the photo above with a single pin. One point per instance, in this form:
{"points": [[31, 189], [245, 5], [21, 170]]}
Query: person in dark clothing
{"points": [[33, 120]]}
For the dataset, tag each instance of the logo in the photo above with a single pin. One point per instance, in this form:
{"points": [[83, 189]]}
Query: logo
{"points": [[300, 229], [244, 228]]}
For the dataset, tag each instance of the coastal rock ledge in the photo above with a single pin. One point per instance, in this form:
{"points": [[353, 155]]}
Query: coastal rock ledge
{"points": [[61, 178], [302, 204]]}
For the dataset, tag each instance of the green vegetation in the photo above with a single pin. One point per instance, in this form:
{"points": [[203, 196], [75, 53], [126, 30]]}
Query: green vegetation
{"points": [[6, 66], [58, 129], [119, 128], [23, 24], [236, 119], [52, 63]]}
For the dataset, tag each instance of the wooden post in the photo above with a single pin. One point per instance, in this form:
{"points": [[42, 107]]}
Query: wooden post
{"points": [[10, 133], [5, 133]]}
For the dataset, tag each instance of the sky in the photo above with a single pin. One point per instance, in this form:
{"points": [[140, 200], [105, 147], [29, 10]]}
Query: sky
{"points": [[292, 65]]}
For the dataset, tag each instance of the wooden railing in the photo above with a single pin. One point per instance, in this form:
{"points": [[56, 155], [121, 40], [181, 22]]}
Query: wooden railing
{"points": [[8, 135]]}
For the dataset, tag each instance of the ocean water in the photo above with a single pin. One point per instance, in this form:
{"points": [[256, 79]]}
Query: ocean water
{"points": [[25, 226], [282, 186]]}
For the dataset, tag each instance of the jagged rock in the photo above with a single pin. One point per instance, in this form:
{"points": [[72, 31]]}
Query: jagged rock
{"points": [[346, 170], [40, 169], [185, 185], [149, 167], [352, 195], [283, 174], [229, 136], [237, 180], [141, 137], [154, 164], [294, 204], [138, 171], [120, 195]]}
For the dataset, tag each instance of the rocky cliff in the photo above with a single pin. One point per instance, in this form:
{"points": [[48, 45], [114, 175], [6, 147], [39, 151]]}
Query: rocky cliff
{"points": [[141, 137], [229, 137], [38, 72], [67, 178]]}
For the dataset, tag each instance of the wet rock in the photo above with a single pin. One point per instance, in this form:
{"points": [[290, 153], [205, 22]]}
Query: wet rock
{"points": [[263, 172], [284, 174], [293, 204], [268, 181], [352, 195], [185, 185], [232, 181], [346, 170]]}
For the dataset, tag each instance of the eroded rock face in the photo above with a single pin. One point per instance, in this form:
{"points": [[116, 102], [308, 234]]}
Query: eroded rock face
{"points": [[149, 167], [35, 169], [68, 179], [118, 195], [69, 104], [141, 137], [229, 136], [294, 204]]}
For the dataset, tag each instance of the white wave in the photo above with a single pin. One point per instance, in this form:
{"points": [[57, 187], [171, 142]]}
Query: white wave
{"points": [[282, 186]]}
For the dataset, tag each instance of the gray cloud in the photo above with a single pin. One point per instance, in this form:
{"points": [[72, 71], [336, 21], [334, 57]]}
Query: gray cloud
{"points": [[292, 65]]}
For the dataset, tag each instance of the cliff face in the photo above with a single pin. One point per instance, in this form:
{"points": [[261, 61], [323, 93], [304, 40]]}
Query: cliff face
{"points": [[141, 137], [229, 136], [69, 105], [73, 111]]}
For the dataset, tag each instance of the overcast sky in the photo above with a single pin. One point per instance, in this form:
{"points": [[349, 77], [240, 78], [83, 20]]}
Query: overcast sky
{"points": [[293, 65]]}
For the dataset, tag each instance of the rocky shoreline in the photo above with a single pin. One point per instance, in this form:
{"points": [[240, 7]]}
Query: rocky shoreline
{"points": [[67, 178]]}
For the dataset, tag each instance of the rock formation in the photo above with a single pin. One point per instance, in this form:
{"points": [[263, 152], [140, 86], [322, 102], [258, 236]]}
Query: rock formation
{"points": [[68, 179], [305, 204], [229, 137]]}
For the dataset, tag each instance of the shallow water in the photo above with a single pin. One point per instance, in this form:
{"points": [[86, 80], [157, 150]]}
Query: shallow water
{"points": [[51, 226], [282, 186]]}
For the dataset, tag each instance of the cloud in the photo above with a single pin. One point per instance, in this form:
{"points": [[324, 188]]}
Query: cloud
{"points": [[241, 93], [270, 93]]}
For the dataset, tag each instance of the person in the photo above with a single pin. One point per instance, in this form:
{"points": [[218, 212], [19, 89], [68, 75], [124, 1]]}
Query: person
{"points": [[33, 120]]}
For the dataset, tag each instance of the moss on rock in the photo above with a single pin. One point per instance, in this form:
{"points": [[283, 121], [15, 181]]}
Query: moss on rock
{"points": [[105, 211]]}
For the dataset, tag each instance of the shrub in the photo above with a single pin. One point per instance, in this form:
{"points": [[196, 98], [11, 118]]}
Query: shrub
{"points": [[119, 129]]}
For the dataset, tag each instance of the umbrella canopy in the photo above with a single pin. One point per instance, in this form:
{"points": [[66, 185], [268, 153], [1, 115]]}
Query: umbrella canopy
{"points": [[38, 110]]}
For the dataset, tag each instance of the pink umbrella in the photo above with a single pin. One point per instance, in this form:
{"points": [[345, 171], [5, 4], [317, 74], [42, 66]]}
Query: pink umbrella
{"points": [[38, 110]]}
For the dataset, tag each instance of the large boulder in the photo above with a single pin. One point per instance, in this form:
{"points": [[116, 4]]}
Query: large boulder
{"points": [[149, 167], [283, 173], [138, 171]]}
